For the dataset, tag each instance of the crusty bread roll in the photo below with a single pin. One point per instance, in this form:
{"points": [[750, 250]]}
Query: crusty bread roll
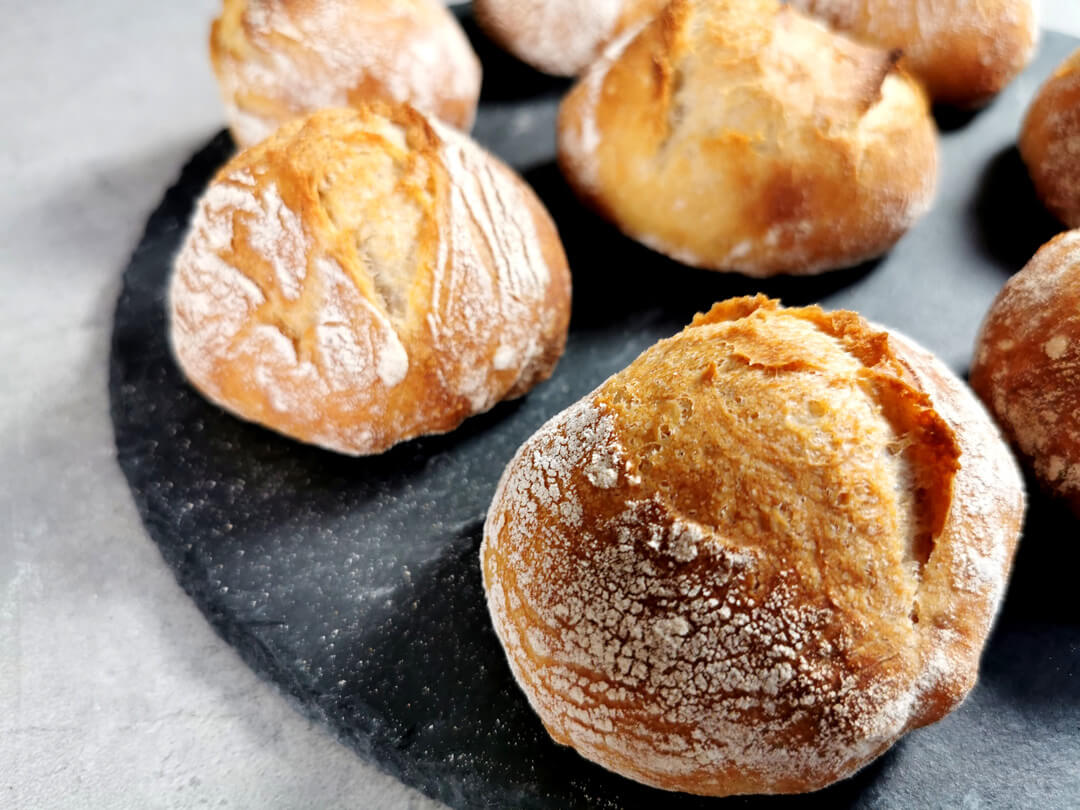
{"points": [[1050, 142], [1027, 364], [365, 276], [754, 558], [741, 135], [964, 51], [561, 37], [278, 59]]}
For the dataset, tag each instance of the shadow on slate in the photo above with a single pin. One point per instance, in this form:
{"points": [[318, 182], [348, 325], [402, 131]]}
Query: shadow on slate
{"points": [[354, 584], [1012, 221]]}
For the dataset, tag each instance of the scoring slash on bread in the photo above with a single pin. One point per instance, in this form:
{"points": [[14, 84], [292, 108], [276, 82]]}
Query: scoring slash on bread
{"points": [[366, 276], [279, 59], [1027, 364], [1050, 142], [560, 37], [742, 135], [964, 51], [753, 559]]}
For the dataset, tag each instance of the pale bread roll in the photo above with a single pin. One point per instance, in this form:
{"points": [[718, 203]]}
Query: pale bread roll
{"points": [[753, 559], [964, 51], [278, 59], [1050, 142], [366, 276], [741, 135], [560, 37], [1027, 364]]}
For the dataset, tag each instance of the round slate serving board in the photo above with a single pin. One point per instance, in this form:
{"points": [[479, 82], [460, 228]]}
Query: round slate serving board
{"points": [[354, 584]]}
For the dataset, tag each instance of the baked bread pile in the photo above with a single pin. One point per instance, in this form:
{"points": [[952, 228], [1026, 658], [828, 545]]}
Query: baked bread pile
{"points": [[776, 542], [754, 558]]}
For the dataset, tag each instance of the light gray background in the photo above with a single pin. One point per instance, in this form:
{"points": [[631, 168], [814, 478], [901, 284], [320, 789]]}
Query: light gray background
{"points": [[114, 692]]}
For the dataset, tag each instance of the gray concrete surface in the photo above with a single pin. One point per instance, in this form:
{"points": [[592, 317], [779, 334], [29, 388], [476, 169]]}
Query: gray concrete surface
{"points": [[114, 692]]}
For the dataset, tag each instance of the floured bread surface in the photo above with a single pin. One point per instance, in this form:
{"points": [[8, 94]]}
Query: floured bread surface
{"points": [[561, 37], [1027, 364], [366, 276], [964, 51], [741, 135], [1050, 142], [278, 59], [753, 559]]}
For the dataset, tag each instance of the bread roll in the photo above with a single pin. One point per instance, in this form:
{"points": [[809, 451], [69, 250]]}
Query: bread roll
{"points": [[964, 51], [561, 37], [741, 135], [278, 59], [1050, 142], [1027, 364], [753, 559], [365, 276]]}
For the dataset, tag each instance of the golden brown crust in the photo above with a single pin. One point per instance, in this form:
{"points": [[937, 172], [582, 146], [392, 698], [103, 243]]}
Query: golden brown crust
{"points": [[744, 136], [366, 276], [1050, 141], [754, 558], [964, 51], [278, 59], [1027, 364], [560, 37]]}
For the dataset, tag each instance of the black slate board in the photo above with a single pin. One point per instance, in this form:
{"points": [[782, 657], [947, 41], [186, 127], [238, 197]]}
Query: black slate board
{"points": [[354, 584]]}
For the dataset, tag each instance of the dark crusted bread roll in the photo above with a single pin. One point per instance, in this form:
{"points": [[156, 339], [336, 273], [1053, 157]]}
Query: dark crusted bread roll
{"points": [[753, 559], [1050, 142], [1027, 364]]}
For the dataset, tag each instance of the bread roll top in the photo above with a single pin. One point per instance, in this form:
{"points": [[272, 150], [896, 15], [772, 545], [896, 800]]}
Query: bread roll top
{"points": [[365, 276], [279, 59], [964, 51], [745, 136], [561, 37], [1050, 141]]}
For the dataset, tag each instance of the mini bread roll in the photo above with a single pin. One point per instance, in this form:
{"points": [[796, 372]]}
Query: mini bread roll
{"points": [[1027, 364], [366, 276], [1050, 142], [561, 37], [753, 559], [278, 59], [964, 51], [741, 135]]}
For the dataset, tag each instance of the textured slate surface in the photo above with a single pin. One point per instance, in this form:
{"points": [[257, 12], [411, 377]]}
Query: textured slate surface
{"points": [[354, 584]]}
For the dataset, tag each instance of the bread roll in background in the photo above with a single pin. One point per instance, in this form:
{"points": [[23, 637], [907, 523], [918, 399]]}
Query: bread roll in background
{"points": [[1027, 364], [753, 559], [366, 276], [561, 37], [278, 59], [741, 135], [964, 51], [1050, 142]]}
